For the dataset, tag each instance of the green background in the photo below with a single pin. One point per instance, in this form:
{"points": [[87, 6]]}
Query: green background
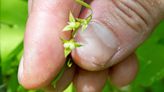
{"points": [[13, 15]]}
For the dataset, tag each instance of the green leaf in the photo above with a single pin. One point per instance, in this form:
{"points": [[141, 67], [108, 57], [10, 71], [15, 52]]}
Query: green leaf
{"points": [[151, 57], [84, 22], [77, 25], [13, 83], [67, 51], [68, 28], [81, 2], [71, 17], [70, 88], [13, 15], [77, 45], [72, 24], [13, 12], [89, 18], [69, 62], [63, 40], [84, 27]]}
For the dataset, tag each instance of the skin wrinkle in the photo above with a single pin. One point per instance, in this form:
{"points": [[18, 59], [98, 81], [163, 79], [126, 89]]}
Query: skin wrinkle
{"points": [[113, 24], [137, 23], [130, 21], [154, 7], [125, 17], [146, 5], [140, 3], [144, 13], [126, 20], [136, 7], [114, 17], [109, 21], [119, 48], [106, 20], [133, 5], [151, 11], [119, 56]]}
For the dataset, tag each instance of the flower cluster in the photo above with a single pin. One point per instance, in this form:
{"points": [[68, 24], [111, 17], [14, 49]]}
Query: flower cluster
{"points": [[73, 25]]}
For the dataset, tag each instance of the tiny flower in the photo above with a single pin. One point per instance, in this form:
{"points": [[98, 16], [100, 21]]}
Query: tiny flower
{"points": [[69, 45], [72, 24], [84, 22]]}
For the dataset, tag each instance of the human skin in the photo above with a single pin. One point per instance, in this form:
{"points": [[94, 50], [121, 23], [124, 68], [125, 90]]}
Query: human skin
{"points": [[118, 28]]}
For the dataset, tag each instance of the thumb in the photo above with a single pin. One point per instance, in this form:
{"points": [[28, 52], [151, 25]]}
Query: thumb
{"points": [[43, 50], [117, 29]]}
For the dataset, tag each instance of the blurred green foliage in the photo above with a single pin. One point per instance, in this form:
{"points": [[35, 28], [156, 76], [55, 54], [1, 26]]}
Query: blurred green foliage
{"points": [[13, 15]]}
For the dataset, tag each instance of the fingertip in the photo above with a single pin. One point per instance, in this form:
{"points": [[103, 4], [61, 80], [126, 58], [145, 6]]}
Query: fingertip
{"points": [[86, 81], [31, 79], [99, 44], [124, 72], [23, 79]]}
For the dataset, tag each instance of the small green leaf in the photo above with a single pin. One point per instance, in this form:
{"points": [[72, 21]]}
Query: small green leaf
{"points": [[71, 17], [84, 22], [89, 18], [67, 28], [60, 74], [77, 45], [81, 2], [72, 24], [69, 62], [84, 27], [80, 20], [63, 40], [67, 51], [77, 25]]}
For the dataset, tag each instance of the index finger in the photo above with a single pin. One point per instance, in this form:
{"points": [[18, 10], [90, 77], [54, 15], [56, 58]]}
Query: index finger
{"points": [[43, 50]]}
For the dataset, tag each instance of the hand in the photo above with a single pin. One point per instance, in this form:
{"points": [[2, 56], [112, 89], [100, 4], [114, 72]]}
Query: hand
{"points": [[117, 29]]}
